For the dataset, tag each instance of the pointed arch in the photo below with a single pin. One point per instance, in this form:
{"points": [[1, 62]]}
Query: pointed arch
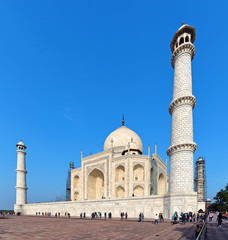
{"points": [[120, 192], [151, 175], [138, 191], [95, 186], [76, 196], [161, 184], [120, 174], [181, 41], [138, 173], [76, 181]]}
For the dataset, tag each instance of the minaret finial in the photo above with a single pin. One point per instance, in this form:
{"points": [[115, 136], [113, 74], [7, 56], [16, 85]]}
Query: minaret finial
{"points": [[182, 22], [123, 121]]}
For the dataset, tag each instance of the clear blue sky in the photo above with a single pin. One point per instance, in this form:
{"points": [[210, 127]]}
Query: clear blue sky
{"points": [[70, 69]]}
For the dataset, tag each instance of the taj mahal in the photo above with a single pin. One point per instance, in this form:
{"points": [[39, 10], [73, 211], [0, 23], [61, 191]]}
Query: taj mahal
{"points": [[121, 178]]}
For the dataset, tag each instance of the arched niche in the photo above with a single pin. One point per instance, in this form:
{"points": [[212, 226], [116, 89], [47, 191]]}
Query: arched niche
{"points": [[138, 173], [151, 175], [138, 191], [120, 192], [161, 184], [76, 181], [120, 173], [95, 186], [76, 196]]}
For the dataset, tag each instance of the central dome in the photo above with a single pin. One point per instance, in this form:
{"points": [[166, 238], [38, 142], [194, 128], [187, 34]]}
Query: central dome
{"points": [[121, 137]]}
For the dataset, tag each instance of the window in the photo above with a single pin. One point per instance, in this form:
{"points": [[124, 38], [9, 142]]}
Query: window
{"points": [[181, 41]]}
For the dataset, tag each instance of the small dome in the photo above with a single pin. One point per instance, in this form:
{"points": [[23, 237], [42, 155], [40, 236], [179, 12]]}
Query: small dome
{"points": [[21, 144], [121, 137], [184, 25]]}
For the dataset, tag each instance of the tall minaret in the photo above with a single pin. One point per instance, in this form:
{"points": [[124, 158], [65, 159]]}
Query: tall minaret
{"points": [[182, 147], [200, 179], [21, 187]]}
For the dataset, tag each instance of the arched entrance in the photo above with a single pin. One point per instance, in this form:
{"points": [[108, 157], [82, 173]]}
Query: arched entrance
{"points": [[120, 192], [120, 174], [138, 191], [76, 196], [95, 186], [138, 173], [161, 184], [76, 181]]}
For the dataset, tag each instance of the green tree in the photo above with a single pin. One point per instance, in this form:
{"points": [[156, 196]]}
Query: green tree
{"points": [[221, 200]]}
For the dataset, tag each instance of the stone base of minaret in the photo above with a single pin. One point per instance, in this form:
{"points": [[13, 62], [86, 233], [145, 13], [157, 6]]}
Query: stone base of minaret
{"points": [[180, 203]]}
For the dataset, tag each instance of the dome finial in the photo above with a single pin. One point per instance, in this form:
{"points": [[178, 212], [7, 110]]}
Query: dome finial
{"points": [[123, 121], [182, 22]]}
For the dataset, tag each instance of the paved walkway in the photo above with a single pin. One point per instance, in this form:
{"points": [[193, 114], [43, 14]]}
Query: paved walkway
{"points": [[214, 233], [26, 227]]}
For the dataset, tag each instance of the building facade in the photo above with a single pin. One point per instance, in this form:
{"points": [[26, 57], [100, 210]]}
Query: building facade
{"points": [[120, 171]]}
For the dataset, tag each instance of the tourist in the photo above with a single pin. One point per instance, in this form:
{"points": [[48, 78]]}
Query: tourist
{"points": [[80, 215], [175, 220], [219, 219], [183, 219], [197, 231], [197, 218], [68, 215], [140, 217], [121, 216], [161, 217], [84, 215], [210, 217], [126, 215], [156, 219], [194, 217], [105, 215]]}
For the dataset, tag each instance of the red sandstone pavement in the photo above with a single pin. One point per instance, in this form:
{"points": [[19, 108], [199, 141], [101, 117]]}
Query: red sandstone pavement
{"points": [[27, 227]]}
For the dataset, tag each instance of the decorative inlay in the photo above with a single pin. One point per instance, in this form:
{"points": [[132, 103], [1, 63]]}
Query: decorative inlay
{"points": [[138, 184], [119, 185], [120, 164], [185, 47], [186, 99], [184, 146], [140, 163], [96, 166]]}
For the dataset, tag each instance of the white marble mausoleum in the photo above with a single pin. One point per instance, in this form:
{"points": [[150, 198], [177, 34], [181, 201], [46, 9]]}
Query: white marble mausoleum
{"points": [[121, 178]]}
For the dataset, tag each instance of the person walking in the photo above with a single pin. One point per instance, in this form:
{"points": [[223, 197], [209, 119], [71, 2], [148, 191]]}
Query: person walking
{"points": [[126, 215], [140, 217], [161, 217], [219, 219], [210, 217], [156, 219], [183, 219], [105, 215]]}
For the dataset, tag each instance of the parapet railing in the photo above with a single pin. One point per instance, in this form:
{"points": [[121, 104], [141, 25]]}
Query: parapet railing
{"points": [[202, 233]]}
